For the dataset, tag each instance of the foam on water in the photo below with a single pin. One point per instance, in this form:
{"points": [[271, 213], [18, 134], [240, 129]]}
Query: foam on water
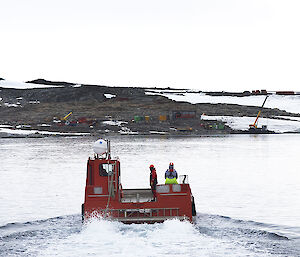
{"points": [[210, 235], [171, 238]]}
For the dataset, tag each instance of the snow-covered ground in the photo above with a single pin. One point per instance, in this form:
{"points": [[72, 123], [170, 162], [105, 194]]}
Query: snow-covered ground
{"points": [[4, 129], [289, 118], [114, 122], [22, 85], [289, 103], [242, 123]]}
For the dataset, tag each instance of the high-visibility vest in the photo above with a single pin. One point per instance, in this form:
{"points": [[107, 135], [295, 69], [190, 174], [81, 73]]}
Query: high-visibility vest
{"points": [[171, 181]]}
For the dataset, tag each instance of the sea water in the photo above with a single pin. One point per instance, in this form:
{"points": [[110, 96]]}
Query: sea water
{"points": [[246, 189]]}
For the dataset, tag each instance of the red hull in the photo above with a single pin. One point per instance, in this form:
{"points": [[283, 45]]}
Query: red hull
{"points": [[104, 196]]}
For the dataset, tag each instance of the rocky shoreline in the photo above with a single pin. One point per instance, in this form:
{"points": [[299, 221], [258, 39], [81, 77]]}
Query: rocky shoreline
{"points": [[99, 110]]}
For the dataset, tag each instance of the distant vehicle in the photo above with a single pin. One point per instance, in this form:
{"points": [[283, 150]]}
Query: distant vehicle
{"points": [[254, 129], [67, 116]]}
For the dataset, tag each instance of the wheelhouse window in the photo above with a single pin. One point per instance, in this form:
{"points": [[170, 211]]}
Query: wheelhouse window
{"points": [[106, 169]]}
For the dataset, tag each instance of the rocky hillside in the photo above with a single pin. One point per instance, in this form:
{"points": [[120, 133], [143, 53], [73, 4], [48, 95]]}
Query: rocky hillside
{"points": [[93, 104]]}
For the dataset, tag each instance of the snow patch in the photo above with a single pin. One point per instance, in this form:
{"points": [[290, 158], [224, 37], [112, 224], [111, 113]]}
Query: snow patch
{"points": [[5, 126], [242, 123], [32, 132], [289, 103], [127, 131], [109, 96], [34, 102], [114, 122], [44, 125], [154, 132], [22, 85], [289, 118], [22, 126], [11, 105]]}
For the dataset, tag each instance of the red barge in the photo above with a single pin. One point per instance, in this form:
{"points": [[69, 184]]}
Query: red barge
{"points": [[104, 195]]}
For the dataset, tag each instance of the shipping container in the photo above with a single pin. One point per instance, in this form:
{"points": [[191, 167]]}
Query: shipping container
{"points": [[162, 117], [183, 115]]}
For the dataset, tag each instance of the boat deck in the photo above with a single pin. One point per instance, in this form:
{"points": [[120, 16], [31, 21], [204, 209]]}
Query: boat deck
{"points": [[137, 195], [150, 215]]}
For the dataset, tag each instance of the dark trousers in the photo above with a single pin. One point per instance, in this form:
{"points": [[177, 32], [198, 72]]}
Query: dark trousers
{"points": [[153, 188]]}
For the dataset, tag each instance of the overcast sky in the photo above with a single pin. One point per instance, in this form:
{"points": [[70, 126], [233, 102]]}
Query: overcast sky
{"points": [[202, 44]]}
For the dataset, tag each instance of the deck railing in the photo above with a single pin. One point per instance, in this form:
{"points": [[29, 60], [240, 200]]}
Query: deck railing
{"points": [[136, 213]]}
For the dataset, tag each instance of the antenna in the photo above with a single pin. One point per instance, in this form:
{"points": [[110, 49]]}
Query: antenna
{"points": [[108, 149]]}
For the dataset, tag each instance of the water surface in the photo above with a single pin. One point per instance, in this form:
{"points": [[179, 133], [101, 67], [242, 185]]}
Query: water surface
{"points": [[246, 190]]}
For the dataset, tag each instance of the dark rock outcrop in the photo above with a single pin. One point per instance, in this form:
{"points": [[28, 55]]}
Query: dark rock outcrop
{"points": [[50, 83], [40, 105]]}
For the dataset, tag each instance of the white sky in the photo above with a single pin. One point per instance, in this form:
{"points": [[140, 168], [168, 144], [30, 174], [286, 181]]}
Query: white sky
{"points": [[204, 44]]}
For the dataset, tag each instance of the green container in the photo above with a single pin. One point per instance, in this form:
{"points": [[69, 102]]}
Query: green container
{"points": [[221, 126], [137, 118]]}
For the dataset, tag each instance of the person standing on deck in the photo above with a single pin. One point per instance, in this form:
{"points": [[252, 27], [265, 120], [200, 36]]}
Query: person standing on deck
{"points": [[153, 181], [171, 175]]}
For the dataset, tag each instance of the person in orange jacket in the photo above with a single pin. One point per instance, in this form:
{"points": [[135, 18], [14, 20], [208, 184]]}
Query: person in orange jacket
{"points": [[153, 181]]}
